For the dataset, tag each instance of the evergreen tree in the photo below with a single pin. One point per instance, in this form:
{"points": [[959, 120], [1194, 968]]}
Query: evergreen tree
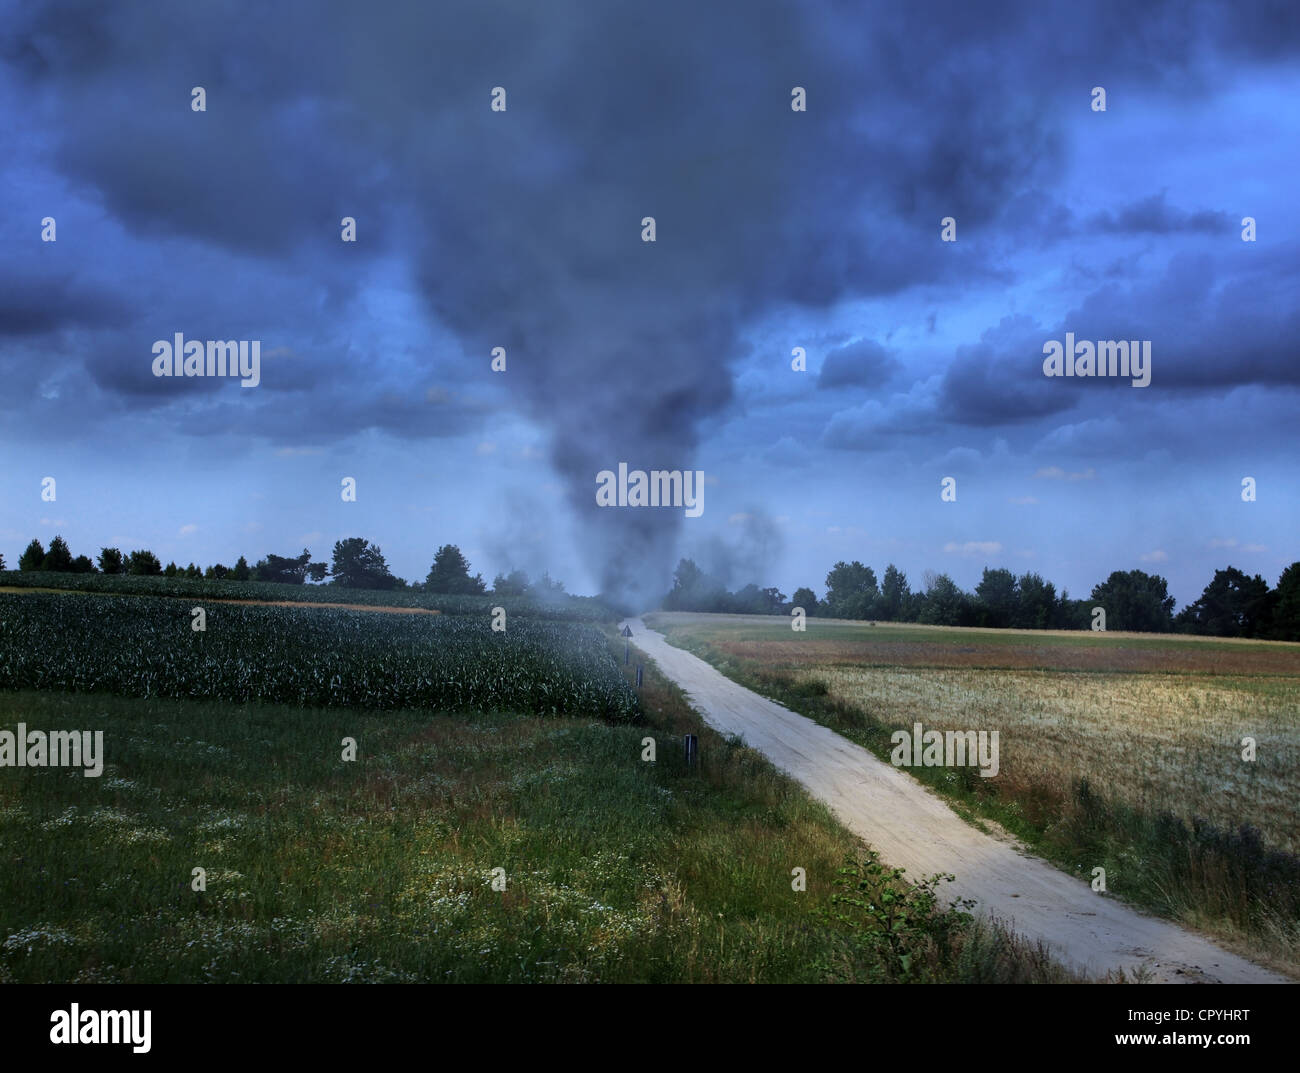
{"points": [[33, 557]]}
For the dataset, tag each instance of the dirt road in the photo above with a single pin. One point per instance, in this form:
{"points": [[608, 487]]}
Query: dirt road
{"points": [[912, 828]]}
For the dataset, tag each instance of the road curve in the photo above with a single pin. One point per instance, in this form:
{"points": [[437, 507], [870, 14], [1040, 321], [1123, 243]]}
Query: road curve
{"points": [[912, 828]]}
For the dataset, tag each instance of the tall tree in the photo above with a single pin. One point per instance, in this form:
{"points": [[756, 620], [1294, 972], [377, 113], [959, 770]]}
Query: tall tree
{"points": [[998, 596], [358, 564], [58, 558], [82, 565], [111, 561], [1286, 605], [851, 590], [807, 599], [240, 571], [450, 573], [1135, 600], [894, 594], [33, 557], [1232, 605], [945, 603], [144, 562], [1036, 608]]}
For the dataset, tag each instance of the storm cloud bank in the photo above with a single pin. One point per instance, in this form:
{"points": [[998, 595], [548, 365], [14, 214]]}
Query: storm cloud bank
{"points": [[523, 227]]}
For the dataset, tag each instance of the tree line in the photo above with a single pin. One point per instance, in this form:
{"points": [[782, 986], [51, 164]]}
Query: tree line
{"points": [[356, 563], [1233, 604]]}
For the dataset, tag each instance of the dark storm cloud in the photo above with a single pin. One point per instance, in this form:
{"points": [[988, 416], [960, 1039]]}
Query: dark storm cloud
{"points": [[1154, 216], [523, 227], [1000, 381], [1213, 323], [862, 364], [32, 304]]}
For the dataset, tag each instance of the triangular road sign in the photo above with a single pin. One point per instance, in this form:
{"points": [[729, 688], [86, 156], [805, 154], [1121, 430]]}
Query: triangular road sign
{"points": [[627, 631]]}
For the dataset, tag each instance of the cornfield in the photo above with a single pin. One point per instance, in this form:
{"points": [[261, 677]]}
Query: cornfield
{"points": [[145, 647]]}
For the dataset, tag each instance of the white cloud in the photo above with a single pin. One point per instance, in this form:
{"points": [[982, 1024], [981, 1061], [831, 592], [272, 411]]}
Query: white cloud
{"points": [[186, 530], [973, 547], [1056, 473], [1157, 556]]}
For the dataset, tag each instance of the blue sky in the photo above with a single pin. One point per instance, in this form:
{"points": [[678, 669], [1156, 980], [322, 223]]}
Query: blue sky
{"points": [[776, 229]]}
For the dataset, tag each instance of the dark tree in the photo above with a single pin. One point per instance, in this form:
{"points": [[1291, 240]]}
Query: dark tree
{"points": [[58, 558], [216, 572], [82, 565], [33, 557], [1232, 605], [450, 573], [240, 571], [805, 598], [358, 564], [1134, 600], [851, 591], [111, 561], [895, 595], [1036, 608], [998, 597], [1286, 605], [145, 563], [170, 570], [946, 604]]}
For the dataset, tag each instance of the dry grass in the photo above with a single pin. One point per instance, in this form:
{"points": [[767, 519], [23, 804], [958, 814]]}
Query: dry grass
{"points": [[1153, 741]]}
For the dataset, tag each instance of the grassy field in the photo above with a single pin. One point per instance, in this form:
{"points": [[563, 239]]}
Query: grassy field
{"points": [[381, 869], [1122, 751]]}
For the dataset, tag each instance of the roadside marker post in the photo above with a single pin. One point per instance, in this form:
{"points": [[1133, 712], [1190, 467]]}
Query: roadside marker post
{"points": [[692, 749], [638, 676]]}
